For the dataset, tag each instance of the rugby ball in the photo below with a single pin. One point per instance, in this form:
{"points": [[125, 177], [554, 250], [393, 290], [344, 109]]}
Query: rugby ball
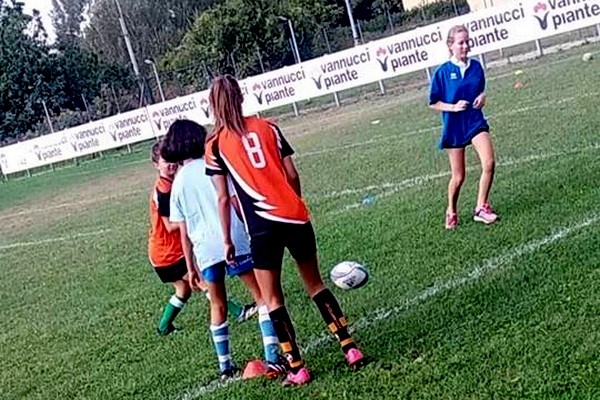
{"points": [[349, 275]]}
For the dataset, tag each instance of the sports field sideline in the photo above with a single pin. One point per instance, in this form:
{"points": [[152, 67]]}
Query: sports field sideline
{"points": [[507, 311]]}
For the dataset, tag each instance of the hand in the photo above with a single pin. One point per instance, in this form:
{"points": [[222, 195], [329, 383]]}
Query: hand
{"points": [[229, 253], [479, 102], [460, 106], [194, 280]]}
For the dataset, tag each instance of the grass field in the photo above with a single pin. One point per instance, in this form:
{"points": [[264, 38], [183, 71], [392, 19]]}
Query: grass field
{"points": [[510, 311]]}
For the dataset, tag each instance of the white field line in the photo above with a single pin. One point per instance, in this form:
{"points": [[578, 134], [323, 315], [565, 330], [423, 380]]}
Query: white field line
{"points": [[474, 273], [78, 173], [53, 240], [387, 138], [391, 188], [375, 139], [72, 204]]}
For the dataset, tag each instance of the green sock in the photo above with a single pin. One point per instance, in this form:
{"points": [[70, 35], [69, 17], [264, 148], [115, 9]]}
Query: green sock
{"points": [[234, 308], [172, 308]]}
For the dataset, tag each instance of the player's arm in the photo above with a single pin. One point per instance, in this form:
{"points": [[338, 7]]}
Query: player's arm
{"points": [[215, 167], [224, 206], [479, 101], [286, 152], [164, 210], [291, 173], [188, 252], [461, 105], [436, 94]]}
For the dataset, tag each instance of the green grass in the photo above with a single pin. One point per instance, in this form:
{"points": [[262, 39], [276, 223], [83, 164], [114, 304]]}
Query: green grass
{"points": [[79, 315]]}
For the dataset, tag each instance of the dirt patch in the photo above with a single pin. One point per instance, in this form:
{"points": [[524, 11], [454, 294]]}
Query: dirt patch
{"points": [[60, 205]]}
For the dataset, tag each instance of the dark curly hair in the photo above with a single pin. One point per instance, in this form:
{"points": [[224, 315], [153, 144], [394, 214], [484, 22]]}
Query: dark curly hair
{"points": [[184, 140], [155, 151]]}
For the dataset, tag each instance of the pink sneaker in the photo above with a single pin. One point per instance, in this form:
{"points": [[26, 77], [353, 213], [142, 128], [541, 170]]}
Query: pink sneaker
{"points": [[355, 359], [301, 377], [485, 214], [451, 220]]}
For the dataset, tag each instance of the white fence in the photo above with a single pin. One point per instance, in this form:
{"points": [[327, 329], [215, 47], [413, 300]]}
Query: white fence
{"points": [[490, 29]]}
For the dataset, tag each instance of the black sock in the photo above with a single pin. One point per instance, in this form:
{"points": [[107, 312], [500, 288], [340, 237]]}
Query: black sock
{"points": [[334, 318], [287, 337]]}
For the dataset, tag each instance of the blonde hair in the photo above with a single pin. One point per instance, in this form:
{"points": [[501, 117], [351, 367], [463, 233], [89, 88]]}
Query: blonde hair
{"points": [[226, 102], [454, 31]]}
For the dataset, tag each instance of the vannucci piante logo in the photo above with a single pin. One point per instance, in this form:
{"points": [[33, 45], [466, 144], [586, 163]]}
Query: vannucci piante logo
{"points": [[258, 92], [382, 58], [558, 14], [205, 108], [542, 9]]}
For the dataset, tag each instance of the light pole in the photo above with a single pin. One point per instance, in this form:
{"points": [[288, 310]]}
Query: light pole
{"points": [[352, 26], [294, 50], [294, 43], [48, 117], [150, 62], [132, 58]]}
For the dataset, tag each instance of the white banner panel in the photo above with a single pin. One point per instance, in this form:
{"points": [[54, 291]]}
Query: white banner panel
{"points": [[45, 150], [88, 138], [490, 29], [274, 89], [130, 127], [13, 158], [193, 107]]}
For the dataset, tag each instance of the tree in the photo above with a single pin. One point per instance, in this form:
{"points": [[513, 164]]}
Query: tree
{"points": [[238, 35], [31, 72], [25, 76], [155, 26], [67, 18]]}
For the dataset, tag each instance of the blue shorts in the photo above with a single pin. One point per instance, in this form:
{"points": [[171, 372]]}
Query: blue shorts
{"points": [[216, 272]]}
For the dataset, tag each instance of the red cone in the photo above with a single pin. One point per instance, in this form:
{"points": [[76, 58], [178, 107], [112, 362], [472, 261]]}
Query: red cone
{"points": [[254, 368]]}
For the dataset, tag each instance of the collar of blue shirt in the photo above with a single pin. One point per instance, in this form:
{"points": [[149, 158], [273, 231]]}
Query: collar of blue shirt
{"points": [[462, 65]]}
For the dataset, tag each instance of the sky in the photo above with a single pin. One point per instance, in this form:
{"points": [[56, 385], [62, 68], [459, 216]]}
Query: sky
{"points": [[45, 8]]}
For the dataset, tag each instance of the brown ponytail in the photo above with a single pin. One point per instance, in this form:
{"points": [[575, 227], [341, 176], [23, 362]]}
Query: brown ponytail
{"points": [[226, 102]]}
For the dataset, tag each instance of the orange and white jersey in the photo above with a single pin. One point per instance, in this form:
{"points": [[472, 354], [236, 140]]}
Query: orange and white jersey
{"points": [[164, 247], [255, 163]]}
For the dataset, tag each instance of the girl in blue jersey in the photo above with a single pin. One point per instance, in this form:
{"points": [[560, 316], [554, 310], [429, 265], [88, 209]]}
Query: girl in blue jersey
{"points": [[458, 91]]}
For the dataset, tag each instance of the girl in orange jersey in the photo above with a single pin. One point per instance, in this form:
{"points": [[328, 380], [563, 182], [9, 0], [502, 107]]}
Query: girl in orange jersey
{"points": [[165, 249], [164, 243], [254, 153]]}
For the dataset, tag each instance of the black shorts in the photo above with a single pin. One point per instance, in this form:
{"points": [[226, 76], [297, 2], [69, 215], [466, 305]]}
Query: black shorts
{"points": [[172, 273], [267, 248]]}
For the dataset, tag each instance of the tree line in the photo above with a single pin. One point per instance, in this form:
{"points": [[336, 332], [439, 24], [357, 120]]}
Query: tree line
{"points": [[86, 73]]}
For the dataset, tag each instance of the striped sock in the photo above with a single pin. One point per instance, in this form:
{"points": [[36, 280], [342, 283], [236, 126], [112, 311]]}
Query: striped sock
{"points": [[287, 338], [269, 336], [220, 336], [171, 311], [334, 318]]}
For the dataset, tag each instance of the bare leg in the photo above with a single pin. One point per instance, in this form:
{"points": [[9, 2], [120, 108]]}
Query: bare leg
{"points": [[311, 276], [249, 280], [218, 302], [457, 168], [182, 289], [485, 150]]}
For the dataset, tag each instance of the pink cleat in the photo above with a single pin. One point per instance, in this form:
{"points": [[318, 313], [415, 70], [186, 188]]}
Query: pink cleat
{"points": [[355, 359], [451, 220], [485, 214], [302, 377]]}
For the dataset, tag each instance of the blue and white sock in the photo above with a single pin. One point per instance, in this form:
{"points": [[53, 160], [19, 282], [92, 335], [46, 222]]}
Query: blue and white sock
{"points": [[220, 337], [269, 336]]}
